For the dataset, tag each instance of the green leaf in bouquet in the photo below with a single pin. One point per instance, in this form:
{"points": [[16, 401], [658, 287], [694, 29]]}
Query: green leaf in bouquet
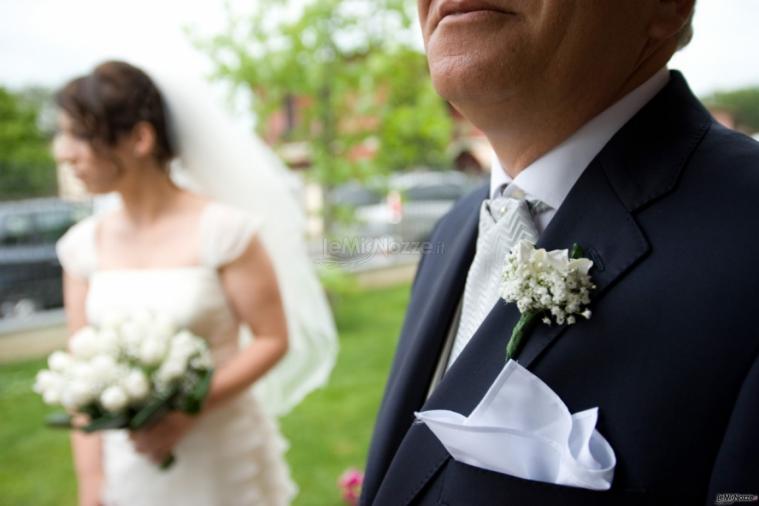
{"points": [[58, 420], [107, 421], [93, 410], [193, 402], [153, 410]]}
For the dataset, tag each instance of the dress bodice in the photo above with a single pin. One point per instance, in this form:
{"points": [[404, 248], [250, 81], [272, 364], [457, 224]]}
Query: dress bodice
{"points": [[192, 296]]}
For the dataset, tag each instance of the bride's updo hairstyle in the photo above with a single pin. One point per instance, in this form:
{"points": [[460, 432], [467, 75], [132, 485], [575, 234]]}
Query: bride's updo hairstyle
{"points": [[108, 102]]}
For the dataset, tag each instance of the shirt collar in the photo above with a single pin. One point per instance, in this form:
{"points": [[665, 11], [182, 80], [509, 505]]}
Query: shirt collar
{"points": [[551, 177]]}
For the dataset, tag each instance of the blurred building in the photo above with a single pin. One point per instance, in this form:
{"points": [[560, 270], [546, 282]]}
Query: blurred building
{"points": [[469, 148], [723, 116]]}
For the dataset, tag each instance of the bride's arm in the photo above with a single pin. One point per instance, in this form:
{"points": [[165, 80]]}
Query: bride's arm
{"points": [[86, 448], [250, 285]]}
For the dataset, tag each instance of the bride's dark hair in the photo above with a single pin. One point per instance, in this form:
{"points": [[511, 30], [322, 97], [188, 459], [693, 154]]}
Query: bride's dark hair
{"points": [[109, 101]]}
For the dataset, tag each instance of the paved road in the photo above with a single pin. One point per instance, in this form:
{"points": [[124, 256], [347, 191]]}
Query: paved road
{"points": [[32, 337]]}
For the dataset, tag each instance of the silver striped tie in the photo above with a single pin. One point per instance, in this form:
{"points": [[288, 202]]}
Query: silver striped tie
{"points": [[504, 221]]}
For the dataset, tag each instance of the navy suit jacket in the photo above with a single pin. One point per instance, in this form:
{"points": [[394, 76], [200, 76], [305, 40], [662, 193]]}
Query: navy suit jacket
{"points": [[668, 212]]}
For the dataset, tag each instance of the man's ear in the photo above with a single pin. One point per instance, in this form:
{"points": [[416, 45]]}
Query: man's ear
{"points": [[670, 17], [143, 140]]}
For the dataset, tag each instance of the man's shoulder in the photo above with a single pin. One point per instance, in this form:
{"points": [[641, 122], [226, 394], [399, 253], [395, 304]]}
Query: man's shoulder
{"points": [[723, 174], [729, 156]]}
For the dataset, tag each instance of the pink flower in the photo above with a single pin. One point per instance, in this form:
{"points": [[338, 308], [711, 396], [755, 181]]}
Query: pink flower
{"points": [[350, 483]]}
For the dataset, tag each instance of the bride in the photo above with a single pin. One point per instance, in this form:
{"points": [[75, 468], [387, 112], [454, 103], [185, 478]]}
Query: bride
{"points": [[193, 237]]}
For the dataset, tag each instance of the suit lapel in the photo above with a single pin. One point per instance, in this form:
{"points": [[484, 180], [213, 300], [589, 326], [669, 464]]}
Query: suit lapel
{"points": [[639, 165], [608, 235]]}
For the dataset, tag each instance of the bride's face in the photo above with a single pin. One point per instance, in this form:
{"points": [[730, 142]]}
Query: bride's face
{"points": [[98, 169]]}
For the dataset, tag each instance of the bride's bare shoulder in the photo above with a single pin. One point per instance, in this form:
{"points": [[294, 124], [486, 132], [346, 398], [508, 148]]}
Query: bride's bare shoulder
{"points": [[194, 203], [108, 220]]}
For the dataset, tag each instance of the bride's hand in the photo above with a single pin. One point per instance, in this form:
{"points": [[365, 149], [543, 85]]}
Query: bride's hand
{"points": [[158, 440]]}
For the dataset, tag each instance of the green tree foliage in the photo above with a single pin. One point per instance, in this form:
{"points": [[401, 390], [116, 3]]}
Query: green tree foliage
{"points": [[26, 166], [353, 68], [743, 104]]}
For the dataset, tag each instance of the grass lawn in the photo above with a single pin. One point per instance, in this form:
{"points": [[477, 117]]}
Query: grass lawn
{"points": [[328, 432]]}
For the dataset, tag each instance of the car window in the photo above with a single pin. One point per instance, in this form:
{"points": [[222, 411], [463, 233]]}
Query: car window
{"points": [[434, 192], [17, 229], [52, 224], [355, 196]]}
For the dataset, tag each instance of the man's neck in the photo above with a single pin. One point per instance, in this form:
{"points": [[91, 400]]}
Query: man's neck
{"points": [[551, 177], [533, 130]]}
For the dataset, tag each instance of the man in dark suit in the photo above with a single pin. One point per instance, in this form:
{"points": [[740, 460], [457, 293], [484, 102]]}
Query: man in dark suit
{"points": [[576, 100]]}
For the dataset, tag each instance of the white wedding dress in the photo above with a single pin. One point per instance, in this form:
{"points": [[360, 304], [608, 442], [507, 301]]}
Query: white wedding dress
{"points": [[234, 455]]}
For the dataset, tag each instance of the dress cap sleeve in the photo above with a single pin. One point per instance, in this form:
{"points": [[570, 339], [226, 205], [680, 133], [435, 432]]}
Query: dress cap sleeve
{"points": [[226, 233], [76, 249]]}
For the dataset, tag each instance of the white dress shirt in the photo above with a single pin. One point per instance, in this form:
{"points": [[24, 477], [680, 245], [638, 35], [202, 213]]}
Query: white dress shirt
{"points": [[550, 177]]}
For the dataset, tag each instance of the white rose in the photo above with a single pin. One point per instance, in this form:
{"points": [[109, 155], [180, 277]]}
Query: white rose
{"points": [[85, 392], [83, 371], [202, 361], [103, 365], [143, 317], [163, 327], [84, 344], [559, 260], [51, 397], [132, 335], [152, 351], [77, 394], [109, 341], [109, 372], [181, 354], [47, 381], [157, 336], [186, 344], [171, 370], [112, 320], [59, 361], [582, 265], [136, 385], [183, 340], [523, 251], [114, 398]]}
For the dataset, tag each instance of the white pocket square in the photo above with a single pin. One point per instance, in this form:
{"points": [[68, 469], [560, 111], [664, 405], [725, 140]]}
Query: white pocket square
{"points": [[523, 429]]}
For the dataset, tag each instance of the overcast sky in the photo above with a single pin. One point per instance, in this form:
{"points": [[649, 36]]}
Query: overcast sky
{"points": [[47, 41]]}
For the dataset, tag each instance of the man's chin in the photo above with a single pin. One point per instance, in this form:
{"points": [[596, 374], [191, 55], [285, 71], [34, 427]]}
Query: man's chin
{"points": [[463, 85]]}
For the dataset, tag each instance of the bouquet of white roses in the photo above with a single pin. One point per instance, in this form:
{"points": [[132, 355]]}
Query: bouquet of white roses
{"points": [[127, 373]]}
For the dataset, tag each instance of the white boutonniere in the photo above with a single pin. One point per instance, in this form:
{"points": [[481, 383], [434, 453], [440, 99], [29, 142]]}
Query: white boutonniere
{"points": [[553, 286]]}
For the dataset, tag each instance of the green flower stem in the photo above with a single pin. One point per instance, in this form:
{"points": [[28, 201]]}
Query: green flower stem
{"points": [[168, 462], [523, 326]]}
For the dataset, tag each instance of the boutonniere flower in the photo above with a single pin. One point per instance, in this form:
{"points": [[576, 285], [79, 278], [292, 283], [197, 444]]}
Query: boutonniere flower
{"points": [[551, 286]]}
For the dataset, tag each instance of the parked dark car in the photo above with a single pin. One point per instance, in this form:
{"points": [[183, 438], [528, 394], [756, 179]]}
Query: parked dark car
{"points": [[30, 274]]}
